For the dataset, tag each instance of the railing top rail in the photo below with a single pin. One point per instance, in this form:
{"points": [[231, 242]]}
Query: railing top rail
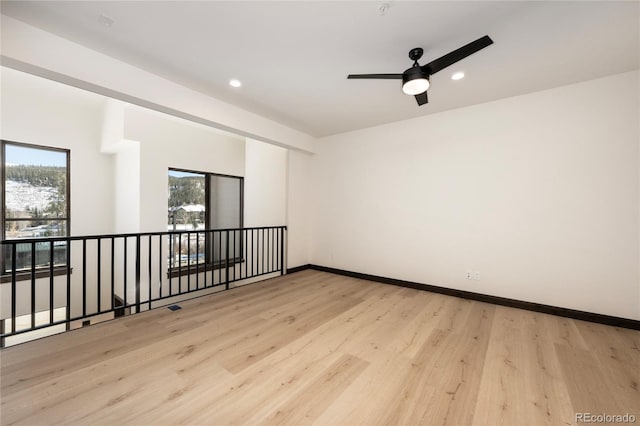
{"points": [[129, 235]]}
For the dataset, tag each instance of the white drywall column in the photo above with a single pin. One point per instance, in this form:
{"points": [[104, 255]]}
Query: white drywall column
{"points": [[299, 208], [265, 184], [126, 168]]}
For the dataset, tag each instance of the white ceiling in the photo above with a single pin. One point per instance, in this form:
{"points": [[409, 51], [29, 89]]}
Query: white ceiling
{"points": [[293, 57]]}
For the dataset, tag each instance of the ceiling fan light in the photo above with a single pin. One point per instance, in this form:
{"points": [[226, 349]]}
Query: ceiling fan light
{"points": [[415, 86], [414, 81]]}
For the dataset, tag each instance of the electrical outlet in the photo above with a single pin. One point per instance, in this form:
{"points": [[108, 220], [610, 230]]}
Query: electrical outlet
{"points": [[476, 276], [468, 276]]}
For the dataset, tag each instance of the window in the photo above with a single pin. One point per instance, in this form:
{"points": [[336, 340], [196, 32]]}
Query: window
{"points": [[202, 201], [35, 194]]}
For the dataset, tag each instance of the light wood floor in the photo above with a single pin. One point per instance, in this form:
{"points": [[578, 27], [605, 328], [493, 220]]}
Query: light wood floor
{"points": [[313, 347]]}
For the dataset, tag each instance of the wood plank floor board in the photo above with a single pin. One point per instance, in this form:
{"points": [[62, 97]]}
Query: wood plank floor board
{"points": [[586, 382], [258, 389], [301, 409], [522, 379], [620, 360], [369, 399], [412, 335], [446, 371], [317, 348], [457, 388], [283, 331]]}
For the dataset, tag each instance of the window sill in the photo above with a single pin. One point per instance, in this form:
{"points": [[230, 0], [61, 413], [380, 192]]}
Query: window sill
{"points": [[40, 273], [201, 267]]}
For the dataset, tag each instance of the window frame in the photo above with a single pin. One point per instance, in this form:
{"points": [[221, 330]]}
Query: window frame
{"points": [[42, 271], [208, 264]]}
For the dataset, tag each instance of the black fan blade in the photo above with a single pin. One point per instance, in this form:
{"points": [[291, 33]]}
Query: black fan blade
{"points": [[422, 98], [377, 76], [457, 55]]}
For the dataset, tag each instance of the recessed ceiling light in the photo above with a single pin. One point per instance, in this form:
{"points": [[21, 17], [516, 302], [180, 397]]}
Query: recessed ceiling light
{"points": [[457, 76], [235, 83]]}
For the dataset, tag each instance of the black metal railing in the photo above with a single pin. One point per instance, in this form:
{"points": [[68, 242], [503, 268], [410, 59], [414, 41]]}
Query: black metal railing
{"points": [[63, 281]]}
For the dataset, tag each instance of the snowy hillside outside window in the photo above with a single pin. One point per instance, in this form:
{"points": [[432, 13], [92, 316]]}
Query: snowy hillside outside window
{"points": [[35, 189]]}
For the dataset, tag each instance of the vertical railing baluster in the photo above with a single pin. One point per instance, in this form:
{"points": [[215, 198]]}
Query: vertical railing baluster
{"points": [[125, 273], [150, 267], [113, 276], [84, 277], [213, 258], [226, 276], [270, 249], [220, 254], [68, 308], [170, 276], [280, 243], [160, 265], [262, 271], [245, 254], [234, 255], [33, 285], [188, 261], [13, 287], [179, 263], [138, 273], [282, 229], [197, 261], [252, 248], [99, 282], [206, 257], [51, 293]]}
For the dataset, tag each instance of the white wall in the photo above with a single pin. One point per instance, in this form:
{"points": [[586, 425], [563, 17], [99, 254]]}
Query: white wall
{"points": [[538, 193]]}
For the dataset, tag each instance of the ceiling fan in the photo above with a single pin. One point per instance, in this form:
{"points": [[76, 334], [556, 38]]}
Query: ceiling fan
{"points": [[415, 80]]}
